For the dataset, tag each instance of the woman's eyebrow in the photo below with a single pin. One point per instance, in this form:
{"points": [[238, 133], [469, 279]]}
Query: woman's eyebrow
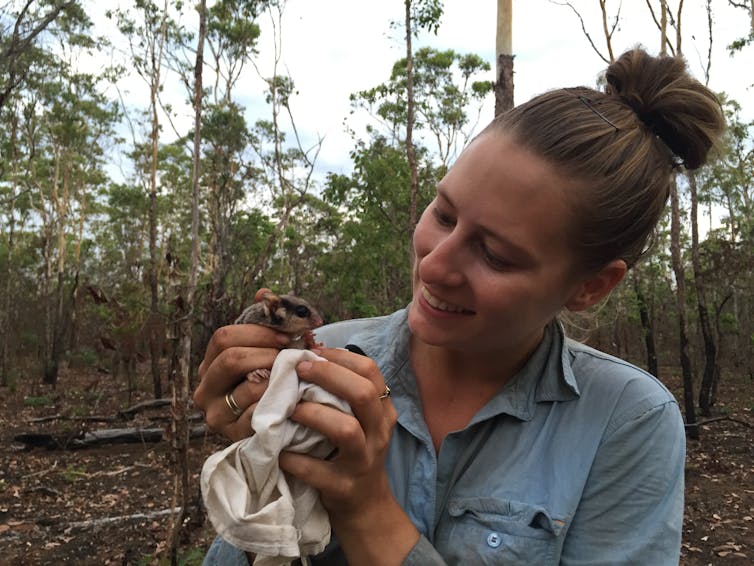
{"points": [[519, 253]]}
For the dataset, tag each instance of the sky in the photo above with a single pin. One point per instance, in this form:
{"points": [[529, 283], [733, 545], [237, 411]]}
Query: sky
{"points": [[333, 48]]}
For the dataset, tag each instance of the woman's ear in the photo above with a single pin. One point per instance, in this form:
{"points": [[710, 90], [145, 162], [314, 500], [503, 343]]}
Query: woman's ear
{"points": [[597, 286]]}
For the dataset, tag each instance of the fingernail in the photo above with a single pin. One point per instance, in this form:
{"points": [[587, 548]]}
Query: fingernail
{"points": [[304, 367]]}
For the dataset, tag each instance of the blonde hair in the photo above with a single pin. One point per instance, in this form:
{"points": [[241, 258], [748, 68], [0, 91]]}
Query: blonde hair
{"points": [[618, 149]]}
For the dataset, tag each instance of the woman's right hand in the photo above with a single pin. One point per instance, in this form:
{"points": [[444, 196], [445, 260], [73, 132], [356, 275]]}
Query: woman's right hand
{"points": [[233, 352]]}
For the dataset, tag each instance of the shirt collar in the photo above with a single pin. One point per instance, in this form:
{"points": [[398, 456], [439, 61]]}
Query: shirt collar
{"points": [[546, 376]]}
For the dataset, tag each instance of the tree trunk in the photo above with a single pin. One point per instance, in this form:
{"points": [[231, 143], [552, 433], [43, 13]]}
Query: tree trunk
{"points": [[155, 319], [182, 375], [646, 325], [50, 369], [410, 149], [708, 334], [5, 314], [504, 48], [678, 270], [58, 328]]}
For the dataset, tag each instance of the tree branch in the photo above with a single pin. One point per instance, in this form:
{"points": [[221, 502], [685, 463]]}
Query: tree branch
{"points": [[583, 28]]}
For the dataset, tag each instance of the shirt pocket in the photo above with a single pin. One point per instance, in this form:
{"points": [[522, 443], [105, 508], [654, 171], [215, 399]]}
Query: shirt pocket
{"points": [[486, 530]]}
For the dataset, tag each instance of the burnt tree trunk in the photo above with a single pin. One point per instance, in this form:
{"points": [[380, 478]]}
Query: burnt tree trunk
{"points": [[504, 48], [708, 333], [646, 326], [680, 294]]}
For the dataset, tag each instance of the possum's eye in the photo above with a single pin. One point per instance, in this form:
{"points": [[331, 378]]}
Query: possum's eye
{"points": [[302, 311]]}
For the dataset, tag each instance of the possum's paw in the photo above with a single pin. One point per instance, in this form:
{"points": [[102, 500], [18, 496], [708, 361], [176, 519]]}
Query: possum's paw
{"points": [[310, 342], [258, 375]]}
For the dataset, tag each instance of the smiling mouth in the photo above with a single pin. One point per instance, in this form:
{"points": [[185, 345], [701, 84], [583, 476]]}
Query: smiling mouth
{"points": [[442, 305]]}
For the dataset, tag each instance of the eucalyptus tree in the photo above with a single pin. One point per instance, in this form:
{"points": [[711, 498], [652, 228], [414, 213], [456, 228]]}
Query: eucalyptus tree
{"points": [[151, 31], [726, 256], [226, 169], [67, 122], [23, 23], [14, 216], [368, 264], [181, 362], [285, 162], [504, 57], [25, 27], [449, 92], [419, 14]]}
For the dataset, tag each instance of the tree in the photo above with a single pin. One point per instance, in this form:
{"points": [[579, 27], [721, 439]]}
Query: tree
{"points": [[28, 22], [418, 14], [232, 35], [368, 264], [448, 96], [181, 376], [148, 34], [504, 59]]}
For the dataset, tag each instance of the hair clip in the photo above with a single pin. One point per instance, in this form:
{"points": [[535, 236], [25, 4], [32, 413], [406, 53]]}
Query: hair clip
{"points": [[589, 103]]}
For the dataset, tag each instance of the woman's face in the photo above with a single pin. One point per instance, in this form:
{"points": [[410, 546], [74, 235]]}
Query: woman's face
{"points": [[493, 265]]}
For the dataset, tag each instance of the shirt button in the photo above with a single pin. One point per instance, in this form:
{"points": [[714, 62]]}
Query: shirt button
{"points": [[494, 540]]}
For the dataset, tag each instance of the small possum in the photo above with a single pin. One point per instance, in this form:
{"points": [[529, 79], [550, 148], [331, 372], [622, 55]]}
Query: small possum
{"points": [[285, 313]]}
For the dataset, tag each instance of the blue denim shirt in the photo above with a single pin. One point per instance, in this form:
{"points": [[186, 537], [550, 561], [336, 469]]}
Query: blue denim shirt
{"points": [[578, 459]]}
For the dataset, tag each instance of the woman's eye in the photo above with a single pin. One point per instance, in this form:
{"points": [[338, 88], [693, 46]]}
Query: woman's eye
{"points": [[494, 261], [442, 218]]}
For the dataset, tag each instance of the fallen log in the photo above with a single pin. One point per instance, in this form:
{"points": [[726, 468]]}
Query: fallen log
{"points": [[88, 418], [99, 437], [718, 419], [131, 411]]}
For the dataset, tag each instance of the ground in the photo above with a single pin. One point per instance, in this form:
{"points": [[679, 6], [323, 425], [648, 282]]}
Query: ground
{"points": [[110, 504]]}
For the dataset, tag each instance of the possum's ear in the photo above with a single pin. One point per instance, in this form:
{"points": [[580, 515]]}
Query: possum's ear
{"points": [[271, 303], [261, 294]]}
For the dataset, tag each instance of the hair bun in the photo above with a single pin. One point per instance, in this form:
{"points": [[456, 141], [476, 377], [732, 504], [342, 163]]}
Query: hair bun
{"points": [[675, 107]]}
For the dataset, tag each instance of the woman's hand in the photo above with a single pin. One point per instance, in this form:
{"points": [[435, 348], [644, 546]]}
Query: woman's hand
{"points": [[232, 353], [370, 525]]}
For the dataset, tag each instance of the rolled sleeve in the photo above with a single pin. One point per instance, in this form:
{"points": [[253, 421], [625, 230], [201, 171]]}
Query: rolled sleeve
{"points": [[423, 554]]}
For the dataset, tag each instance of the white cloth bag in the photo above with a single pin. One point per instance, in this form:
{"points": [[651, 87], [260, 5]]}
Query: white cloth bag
{"points": [[251, 503]]}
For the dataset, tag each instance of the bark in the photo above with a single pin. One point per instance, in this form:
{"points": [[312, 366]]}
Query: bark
{"points": [[708, 334], [663, 28], [410, 149], [504, 48], [49, 370], [606, 30], [154, 323], [62, 206], [647, 326], [680, 294], [182, 376], [5, 314]]}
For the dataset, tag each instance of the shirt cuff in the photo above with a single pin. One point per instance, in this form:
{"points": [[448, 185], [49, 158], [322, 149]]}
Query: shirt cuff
{"points": [[423, 554]]}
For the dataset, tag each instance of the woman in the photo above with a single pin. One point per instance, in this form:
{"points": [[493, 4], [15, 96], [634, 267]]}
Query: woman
{"points": [[513, 444]]}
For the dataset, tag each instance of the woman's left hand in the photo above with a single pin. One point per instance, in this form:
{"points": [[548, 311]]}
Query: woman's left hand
{"points": [[353, 484], [361, 440]]}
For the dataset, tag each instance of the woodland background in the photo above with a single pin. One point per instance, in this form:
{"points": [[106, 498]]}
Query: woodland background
{"points": [[125, 241]]}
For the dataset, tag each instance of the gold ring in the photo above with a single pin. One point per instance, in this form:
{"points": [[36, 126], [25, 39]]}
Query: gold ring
{"points": [[232, 405], [386, 393]]}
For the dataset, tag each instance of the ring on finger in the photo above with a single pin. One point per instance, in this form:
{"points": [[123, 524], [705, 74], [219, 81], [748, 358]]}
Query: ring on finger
{"points": [[232, 405], [386, 393]]}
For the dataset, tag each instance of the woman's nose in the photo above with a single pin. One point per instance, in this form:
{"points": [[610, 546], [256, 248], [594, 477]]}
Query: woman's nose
{"points": [[443, 264]]}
